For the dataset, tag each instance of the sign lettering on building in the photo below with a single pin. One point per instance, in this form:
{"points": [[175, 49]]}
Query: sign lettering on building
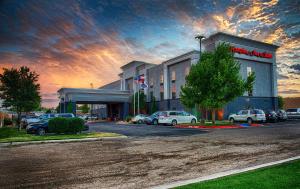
{"points": [[251, 53]]}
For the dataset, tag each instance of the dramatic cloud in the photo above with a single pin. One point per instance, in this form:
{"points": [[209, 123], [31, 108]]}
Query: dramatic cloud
{"points": [[75, 43]]}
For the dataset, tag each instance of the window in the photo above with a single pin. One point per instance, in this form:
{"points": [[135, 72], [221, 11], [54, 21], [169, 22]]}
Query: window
{"points": [[161, 95], [151, 82], [173, 91], [249, 71], [161, 79], [161, 92], [172, 113], [291, 110], [244, 112], [173, 76], [187, 71], [151, 95]]}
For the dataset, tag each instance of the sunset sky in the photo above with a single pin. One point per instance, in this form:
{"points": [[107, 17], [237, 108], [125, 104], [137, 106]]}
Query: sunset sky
{"points": [[75, 43]]}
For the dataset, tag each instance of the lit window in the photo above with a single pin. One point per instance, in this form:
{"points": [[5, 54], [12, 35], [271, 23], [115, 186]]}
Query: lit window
{"points": [[249, 71], [187, 71], [173, 75], [161, 79]]}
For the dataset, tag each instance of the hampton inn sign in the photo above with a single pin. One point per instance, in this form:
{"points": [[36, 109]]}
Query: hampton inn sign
{"points": [[251, 53]]}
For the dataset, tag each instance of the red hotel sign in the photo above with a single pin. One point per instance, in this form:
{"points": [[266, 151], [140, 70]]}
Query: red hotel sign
{"points": [[251, 53]]}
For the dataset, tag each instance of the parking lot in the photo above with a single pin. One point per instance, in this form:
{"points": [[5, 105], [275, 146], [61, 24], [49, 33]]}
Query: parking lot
{"points": [[142, 130], [142, 161]]}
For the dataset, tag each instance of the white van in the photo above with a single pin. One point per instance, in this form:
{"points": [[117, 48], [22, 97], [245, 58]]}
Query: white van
{"points": [[175, 117]]}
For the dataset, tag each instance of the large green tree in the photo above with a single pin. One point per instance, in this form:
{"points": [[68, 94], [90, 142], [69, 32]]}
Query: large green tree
{"points": [[19, 90], [215, 81]]}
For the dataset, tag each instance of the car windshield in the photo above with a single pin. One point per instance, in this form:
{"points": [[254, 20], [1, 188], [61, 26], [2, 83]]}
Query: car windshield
{"points": [[259, 111]]}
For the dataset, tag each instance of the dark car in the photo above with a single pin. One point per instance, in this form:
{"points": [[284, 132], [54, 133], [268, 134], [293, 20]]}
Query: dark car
{"points": [[152, 119], [39, 128], [42, 127], [271, 116]]}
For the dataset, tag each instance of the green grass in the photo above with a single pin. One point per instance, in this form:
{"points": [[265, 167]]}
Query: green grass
{"points": [[281, 176], [207, 123], [13, 135]]}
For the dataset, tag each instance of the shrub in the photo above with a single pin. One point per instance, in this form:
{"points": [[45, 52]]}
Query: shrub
{"points": [[75, 125], [65, 125], [7, 121], [128, 118], [58, 125]]}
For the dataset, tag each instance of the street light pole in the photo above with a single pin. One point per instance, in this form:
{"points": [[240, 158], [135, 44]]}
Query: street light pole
{"points": [[200, 37]]}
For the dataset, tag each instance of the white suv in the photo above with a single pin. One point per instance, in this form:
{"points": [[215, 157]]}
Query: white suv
{"points": [[248, 115], [293, 113], [175, 117]]}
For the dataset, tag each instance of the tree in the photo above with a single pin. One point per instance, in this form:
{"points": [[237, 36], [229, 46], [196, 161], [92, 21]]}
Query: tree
{"points": [[48, 111], [20, 90], [214, 81], [85, 108], [280, 102], [153, 106], [142, 101]]}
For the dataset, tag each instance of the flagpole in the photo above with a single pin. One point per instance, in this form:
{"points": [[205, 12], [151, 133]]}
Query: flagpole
{"points": [[138, 110], [134, 83]]}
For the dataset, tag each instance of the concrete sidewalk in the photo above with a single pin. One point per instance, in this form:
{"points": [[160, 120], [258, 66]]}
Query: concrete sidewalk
{"points": [[221, 174], [59, 141]]}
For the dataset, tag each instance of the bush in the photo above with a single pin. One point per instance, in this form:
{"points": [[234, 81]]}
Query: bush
{"points": [[7, 121], [128, 118], [66, 125], [75, 125]]}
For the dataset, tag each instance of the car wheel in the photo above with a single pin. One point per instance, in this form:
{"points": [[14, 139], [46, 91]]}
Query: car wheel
{"points": [[174, 122], [140, 121], [155, 122], [231, 120], [193, 121], [249, 121], [41, 132]]}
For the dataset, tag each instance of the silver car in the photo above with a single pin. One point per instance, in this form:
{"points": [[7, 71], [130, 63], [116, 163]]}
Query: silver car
{"points": [[175, 117], [293, 113]]}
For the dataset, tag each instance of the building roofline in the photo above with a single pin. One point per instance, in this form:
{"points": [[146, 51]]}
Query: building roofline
{"points": [[182, 55], [238, 37], [116, 81], [135, 61], [85, 90]]}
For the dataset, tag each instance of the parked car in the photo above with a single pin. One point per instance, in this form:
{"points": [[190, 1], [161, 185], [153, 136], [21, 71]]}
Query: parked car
{"points": [[293, 113], [281, 115], [84, 117], [175, 117], [139, 118], [67, 115], [271, 116], [29, 119], [249, 116], [152, 119], [42, 127]]}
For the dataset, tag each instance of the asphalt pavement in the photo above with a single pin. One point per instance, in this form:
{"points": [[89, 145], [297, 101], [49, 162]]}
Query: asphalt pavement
{"points": [[143, 130]]}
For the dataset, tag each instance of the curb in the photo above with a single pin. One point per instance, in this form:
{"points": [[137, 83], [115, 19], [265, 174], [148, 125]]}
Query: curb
{"points": [[59, 141], [221, 174]]}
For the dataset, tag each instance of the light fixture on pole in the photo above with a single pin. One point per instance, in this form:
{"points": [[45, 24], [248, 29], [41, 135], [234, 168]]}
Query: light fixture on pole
{"points": [[200, 37]]}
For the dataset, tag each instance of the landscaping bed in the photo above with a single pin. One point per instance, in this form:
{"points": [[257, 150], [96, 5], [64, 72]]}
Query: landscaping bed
{"points": [[8, 134], [217, 125], [280, 176]]}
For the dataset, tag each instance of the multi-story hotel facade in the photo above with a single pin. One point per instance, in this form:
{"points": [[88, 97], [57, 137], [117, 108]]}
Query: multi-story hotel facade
{"points": [[165, 80]]}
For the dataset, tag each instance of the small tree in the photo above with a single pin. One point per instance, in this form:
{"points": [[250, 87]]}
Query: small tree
{"points": [[214, 81], [280, 102], [20, 90]]}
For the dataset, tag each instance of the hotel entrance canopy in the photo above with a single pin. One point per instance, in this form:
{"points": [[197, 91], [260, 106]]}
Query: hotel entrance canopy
{"points": [[91, 96]]}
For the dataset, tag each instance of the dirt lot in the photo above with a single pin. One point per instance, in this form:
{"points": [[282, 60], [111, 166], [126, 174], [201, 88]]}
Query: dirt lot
{"points": [[144, 162]]}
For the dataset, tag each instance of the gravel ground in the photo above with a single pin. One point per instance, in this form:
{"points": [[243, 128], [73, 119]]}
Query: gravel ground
{"points": [[145, 162]]}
